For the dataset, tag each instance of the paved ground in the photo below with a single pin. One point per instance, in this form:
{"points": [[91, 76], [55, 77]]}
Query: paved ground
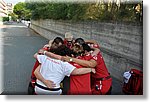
{"points": [[19, 45]]}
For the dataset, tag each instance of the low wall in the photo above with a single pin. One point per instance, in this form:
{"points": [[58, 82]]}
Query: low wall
{"points": [[121, 43]]}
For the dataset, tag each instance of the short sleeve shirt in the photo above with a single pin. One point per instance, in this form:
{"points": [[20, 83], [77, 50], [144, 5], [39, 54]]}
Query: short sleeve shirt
{"points": [[54, 70]]}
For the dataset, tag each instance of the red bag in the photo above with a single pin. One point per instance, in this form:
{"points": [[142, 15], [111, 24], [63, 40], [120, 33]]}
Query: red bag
{"points": [[135, 83]]}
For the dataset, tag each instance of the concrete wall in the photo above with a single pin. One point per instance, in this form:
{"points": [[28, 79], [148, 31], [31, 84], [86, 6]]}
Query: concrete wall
{"points": [[121, 44]]}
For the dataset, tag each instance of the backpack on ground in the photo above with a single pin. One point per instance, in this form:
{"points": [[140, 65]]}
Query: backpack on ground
{"points": [[133, 83]]}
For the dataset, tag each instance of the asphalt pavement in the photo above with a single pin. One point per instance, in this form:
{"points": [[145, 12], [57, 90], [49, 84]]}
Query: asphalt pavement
{"points": [[19, 45]]}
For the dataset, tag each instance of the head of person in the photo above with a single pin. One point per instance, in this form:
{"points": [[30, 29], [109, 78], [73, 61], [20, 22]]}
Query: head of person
{"points": [[68, 36], [58, 41], [63, 51], [79, 41], [86, 48], [77, 47], [68, 39], [81, 47]]}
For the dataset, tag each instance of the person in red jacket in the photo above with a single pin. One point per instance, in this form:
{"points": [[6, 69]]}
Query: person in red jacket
{"points": [[101, 82], [79, 84], [54, 44]]}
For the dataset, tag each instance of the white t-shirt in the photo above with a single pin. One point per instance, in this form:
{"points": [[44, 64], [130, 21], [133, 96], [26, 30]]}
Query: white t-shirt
{"points": [[54, 70]]}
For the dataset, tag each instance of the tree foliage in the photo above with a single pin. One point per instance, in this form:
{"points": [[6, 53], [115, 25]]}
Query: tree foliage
{"points": [[13, 16], [21, 10], [100, 10], [56, 11]]}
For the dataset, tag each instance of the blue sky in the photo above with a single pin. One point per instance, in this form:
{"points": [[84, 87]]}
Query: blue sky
{"points": [[13, 1]]}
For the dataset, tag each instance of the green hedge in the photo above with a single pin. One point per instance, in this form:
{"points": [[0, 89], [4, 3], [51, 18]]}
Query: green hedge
{"points": [[5, 19]]}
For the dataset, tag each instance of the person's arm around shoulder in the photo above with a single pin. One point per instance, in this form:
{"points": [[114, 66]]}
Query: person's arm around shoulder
{"points": [[91, 41], [86, 63], [90, 63], [50, 54], [81, 71], [95, 52], [69, 69]]}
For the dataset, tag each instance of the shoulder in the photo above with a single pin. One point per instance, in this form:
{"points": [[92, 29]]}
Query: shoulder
{"points": [[67, 65]]}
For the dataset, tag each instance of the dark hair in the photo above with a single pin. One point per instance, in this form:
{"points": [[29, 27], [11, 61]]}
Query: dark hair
{"points": [[58, 40], [80, 41], [63, 51], [86, 47]]}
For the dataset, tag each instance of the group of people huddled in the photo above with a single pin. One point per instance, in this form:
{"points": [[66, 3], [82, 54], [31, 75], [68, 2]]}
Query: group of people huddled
{"points": [[78, 59]]}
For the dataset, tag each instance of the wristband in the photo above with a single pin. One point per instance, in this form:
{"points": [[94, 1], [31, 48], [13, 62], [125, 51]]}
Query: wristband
{"points": [[44, 52]]}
